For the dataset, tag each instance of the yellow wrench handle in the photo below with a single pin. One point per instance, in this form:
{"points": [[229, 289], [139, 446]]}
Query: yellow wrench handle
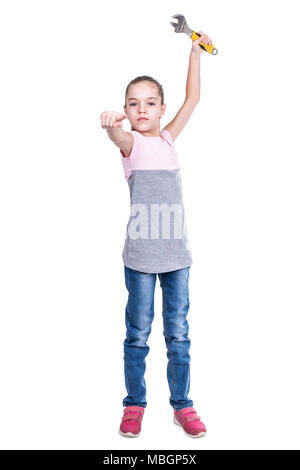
{"points": [[207, 47]]}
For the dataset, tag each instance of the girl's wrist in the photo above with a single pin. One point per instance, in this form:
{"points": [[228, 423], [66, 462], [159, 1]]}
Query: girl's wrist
{"points": [[195, 53]]}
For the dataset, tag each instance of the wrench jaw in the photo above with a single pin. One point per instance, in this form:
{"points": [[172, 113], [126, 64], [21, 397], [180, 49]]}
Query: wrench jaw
{"points": [[181, 26], [175, 27]]}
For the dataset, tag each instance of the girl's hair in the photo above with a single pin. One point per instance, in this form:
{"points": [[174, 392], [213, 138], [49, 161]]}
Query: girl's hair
{"points": [[146, 78]]}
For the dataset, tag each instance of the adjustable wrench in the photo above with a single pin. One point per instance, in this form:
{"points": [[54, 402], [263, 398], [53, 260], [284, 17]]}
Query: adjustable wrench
{"points": [[182, 27]]}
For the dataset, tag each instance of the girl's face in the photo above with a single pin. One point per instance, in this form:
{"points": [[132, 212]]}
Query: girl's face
{"points": [[143, 101]]}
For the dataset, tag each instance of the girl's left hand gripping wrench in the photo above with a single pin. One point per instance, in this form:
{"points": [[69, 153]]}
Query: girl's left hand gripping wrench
{"points": [[182, 27]]}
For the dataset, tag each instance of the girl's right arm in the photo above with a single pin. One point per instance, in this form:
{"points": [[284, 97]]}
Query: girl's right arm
{"points": [[112, 122]]}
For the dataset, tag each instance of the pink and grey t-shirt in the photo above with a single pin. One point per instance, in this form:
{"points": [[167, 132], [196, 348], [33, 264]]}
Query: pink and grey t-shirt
{"points": [[156, 239]]}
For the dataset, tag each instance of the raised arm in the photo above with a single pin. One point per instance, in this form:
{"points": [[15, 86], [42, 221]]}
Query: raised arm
{"points": [[192, 95]]}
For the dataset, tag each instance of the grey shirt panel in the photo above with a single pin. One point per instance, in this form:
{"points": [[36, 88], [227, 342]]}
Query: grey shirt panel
{"points": [[156, 238]]}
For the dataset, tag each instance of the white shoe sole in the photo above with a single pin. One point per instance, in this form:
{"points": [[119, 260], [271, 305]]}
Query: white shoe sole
{"points": [[128, 434], [201, 434]]}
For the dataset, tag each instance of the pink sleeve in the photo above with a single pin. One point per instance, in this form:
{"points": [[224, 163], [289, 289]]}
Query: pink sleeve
{"points": [[166, 134], [127, 161]]}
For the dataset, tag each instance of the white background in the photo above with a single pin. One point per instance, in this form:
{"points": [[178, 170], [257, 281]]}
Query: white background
{"points": [[65, 205]]}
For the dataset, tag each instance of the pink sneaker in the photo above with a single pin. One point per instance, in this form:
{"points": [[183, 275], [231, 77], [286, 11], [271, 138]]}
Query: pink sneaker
{"points": [[132, 421], [190, 422]]}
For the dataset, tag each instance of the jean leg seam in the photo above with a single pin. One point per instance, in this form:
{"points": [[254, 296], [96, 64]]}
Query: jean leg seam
{"points": [[127, 278], [171, 352]]}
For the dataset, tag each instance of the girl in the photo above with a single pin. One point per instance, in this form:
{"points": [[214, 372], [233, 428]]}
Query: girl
{"points": [[151, 169]]}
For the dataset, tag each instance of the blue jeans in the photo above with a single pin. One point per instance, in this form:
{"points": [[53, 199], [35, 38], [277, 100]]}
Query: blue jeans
{"points": [[139, 315]]}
